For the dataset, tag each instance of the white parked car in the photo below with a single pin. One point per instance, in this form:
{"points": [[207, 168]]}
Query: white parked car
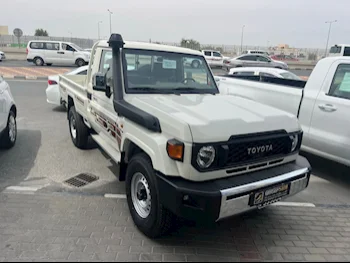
{"points": [[265, 72], [253, 60], [53, 94], [2, 56], [8, 114], [56, 52], [322, 104]]}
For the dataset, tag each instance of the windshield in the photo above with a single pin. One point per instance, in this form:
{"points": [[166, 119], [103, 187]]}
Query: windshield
{"points": [[149, 71], [289, 75], [76, 47]]}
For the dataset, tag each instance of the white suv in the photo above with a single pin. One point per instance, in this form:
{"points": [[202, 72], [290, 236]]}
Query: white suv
{"points": [[8, 113], [56, 52]]}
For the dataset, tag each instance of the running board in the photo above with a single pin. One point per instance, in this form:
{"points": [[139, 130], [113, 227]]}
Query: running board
{"points": [[112, 152]]}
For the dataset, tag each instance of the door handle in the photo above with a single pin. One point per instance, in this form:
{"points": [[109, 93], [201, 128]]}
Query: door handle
{"points": [[327, 107], [60, 52]]}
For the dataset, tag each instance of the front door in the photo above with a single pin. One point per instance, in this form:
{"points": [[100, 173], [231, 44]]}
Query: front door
{"points": [[67, 54], [106, 119], [217, 59], [330, 124]]}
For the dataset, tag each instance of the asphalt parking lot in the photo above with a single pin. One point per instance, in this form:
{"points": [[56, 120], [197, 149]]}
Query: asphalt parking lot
{"points": [[37, 207]]}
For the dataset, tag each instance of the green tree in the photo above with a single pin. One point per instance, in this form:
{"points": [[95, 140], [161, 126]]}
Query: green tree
{"points": [[190, 43], [39, 32]]}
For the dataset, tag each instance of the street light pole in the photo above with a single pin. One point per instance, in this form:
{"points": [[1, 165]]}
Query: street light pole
{"points": [[71, 35], [242, 38], [110, 21], [98, 29], [329, 32]]}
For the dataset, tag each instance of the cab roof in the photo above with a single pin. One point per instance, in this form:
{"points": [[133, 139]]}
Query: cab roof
{"points": [[151, 46]]}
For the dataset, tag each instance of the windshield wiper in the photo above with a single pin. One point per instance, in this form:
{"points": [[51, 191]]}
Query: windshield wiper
{"points": [[193, 90]]}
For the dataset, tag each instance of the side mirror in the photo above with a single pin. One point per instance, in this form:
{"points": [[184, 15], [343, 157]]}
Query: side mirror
{"points": [[99, 82]]}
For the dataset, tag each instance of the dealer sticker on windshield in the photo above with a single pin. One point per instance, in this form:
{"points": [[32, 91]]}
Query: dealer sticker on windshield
{"points": [[169, 64]]}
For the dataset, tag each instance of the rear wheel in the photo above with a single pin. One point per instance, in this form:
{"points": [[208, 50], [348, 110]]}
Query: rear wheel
{"points": [[77, 128], [146, 210], [38, 61], [8, 138]]}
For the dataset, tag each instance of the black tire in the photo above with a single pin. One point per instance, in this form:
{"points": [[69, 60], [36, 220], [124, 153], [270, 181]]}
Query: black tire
{"points": [[49, 64], [160, 220], [80, 62], [38, 61], [7, 141], [195, 64], [81, 135]]}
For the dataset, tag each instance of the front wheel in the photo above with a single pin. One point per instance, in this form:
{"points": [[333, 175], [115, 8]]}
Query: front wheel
{"points": [[143, 199], [8, 138], [80, 62], [77, 128]]}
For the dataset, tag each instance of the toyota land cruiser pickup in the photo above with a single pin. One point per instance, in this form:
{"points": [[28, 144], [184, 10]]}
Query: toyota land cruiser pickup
{"points": [[183, 149]]}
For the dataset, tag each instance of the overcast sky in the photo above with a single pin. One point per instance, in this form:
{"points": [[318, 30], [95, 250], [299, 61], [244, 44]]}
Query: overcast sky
{"points": [[299, 23]]}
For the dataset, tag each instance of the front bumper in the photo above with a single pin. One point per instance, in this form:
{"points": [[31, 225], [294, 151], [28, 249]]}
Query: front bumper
{"points": [[218, 199]]}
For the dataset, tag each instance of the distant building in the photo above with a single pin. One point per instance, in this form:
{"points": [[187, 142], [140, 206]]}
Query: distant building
{"points": [[4, 30]]}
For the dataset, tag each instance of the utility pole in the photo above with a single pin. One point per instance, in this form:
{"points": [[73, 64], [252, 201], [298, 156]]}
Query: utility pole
{"points": [[242, 38], [110, 21], [329, 32], [98, 29], [71, 35]]}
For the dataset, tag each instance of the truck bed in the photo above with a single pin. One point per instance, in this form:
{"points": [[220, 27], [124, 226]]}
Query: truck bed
{"points": [[283, 94]]}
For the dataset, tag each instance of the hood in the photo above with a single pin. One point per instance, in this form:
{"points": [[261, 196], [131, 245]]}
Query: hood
{"points": [[212, 118]]}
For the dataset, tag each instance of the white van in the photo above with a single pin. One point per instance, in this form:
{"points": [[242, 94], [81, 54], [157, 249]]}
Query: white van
{"points": [[56, 52], [340, 50]]}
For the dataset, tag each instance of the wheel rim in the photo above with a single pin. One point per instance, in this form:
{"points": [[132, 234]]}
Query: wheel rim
{"points": [[141, 195], [80, 63], [12, 129], [73, 129], [38, 61]]}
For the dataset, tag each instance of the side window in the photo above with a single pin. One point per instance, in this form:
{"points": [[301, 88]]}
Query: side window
{"points": [[244, 73], [347, 51], [264, 74], [248, 58], [341, 82], [52, 46], [262, 59], [36, 45], [106, 65], [69, 48], [217, 54], [207, 53]]}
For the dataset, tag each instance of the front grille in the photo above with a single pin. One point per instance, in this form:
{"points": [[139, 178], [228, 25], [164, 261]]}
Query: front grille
{"points": [[257, 148], [248, 149]]}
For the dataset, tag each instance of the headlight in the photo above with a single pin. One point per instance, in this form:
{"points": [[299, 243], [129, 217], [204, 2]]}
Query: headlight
{"points": [[295, 139], [205, 156]]}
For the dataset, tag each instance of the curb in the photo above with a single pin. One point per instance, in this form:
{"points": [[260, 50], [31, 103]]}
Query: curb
{"points": [[24, 77]]}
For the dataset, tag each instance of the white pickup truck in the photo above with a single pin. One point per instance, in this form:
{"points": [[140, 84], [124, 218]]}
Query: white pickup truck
{"points": [[183, 149], [322, 104]]}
